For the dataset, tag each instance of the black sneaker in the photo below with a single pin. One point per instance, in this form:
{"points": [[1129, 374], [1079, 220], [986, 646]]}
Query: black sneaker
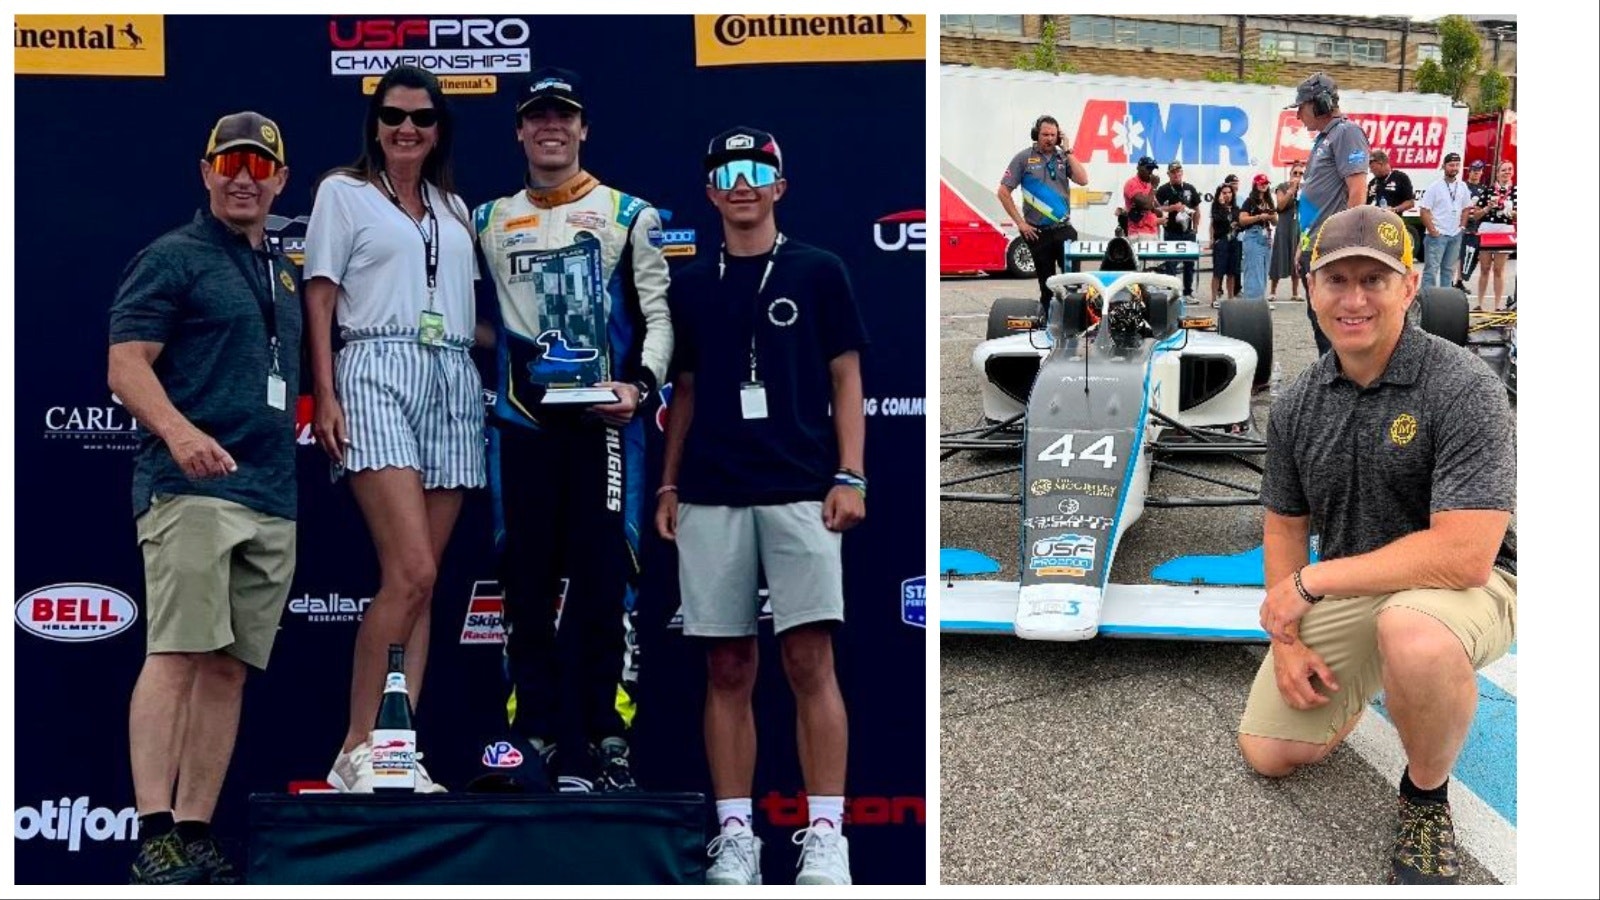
{"points": [[164, 860], [615, 773], [213, 862], [1425, 845]]}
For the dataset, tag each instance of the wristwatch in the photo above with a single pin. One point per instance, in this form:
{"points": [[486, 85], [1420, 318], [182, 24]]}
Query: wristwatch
{"points": [[642, 388]]}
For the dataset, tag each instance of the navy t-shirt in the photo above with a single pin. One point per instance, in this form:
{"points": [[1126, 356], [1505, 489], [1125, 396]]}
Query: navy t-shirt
{"points": [[804, 318]]}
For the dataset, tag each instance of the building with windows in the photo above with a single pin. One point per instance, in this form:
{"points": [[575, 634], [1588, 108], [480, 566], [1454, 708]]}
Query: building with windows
{"points": [[1375, 53]]}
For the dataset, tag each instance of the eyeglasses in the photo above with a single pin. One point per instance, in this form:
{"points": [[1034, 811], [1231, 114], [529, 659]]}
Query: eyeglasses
{"points": [[755, 174], [394, 116], [228, 164]]}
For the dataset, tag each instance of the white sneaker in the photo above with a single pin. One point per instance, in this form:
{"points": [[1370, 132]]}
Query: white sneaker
{"points": [[1272, 305], [352, 770], [824, 856], [425, 782], [735, 858]]}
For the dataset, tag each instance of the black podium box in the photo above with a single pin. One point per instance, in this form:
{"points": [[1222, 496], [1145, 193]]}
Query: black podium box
{"points": [[477, 839]]}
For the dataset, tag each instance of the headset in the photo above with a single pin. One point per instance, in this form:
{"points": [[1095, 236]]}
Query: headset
{"points": [[1323, 102], [1043, 120]]}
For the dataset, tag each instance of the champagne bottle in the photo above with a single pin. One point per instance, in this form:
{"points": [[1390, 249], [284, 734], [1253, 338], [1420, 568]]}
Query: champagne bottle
{"points": [[394, 737]]}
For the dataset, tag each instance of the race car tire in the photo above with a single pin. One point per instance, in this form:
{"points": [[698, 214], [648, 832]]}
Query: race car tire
{"points": [[1019, 259], [1249, 321], [1443, 313], [1007, 312]]}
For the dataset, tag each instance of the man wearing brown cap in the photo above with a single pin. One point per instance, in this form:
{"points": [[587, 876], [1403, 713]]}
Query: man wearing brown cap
{"points": [[1397, 450], [1336, 172], [205, 348]]}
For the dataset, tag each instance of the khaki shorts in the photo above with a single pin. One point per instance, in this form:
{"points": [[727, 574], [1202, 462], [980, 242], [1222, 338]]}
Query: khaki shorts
{"points": [[1345, 634], [216, 576], [720, 549]]}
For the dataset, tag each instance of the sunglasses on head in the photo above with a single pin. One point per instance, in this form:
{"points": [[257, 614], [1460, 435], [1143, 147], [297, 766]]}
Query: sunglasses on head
{"points": [[229, 163], [394, 116], [755, 174]]}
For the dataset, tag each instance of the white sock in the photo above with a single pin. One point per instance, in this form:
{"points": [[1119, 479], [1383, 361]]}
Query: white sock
{"points": [[827, 810], [734, 813]]}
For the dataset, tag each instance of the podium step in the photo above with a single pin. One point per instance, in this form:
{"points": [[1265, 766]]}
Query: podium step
{"points": [[461, 838]]}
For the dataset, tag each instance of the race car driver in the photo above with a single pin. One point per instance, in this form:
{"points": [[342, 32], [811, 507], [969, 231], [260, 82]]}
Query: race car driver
{"points": [[582, 301]]}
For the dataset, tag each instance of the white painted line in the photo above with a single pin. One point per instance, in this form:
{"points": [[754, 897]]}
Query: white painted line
{"points": [[1502, 673], [1480, 830]]}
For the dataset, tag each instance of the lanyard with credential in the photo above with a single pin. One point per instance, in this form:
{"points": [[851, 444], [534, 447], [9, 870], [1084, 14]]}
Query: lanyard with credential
{"points": [[722, 268], [430, 235], [277, 391], [752, 394]]}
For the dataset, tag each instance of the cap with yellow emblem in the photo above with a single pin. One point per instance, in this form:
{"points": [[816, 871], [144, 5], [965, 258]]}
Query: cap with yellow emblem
{"points": [[246, 129], [1368, 231]]}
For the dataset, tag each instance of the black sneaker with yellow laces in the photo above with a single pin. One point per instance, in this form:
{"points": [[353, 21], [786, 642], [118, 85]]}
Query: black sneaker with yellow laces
{"points": [[213, 862], [164, 860], [1425, 845]]}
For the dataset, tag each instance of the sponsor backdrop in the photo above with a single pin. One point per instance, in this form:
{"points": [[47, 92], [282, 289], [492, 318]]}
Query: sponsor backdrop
{"points": [[98, 189]]}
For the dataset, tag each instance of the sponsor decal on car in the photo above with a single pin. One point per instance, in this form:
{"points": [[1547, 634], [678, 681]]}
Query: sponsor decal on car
{"points": [[1066, 554]]}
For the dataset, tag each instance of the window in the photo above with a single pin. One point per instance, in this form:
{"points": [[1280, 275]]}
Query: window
{"points": [[1141, 33], [1332, 48], [985, 25], [1426, 52]]}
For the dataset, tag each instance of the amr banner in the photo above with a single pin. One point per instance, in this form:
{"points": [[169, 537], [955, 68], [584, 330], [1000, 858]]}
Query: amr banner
{"points": [[112, 115]]}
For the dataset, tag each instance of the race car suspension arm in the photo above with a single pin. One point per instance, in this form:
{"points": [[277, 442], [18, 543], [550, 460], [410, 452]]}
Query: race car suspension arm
{"points": [[954, 442], [1228, 444], [1189, 473]]}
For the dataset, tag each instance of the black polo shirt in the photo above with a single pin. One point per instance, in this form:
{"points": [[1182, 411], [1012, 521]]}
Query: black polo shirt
{"points": [[1392, 189], [804, 318], [198, 291], [1433, 433]]}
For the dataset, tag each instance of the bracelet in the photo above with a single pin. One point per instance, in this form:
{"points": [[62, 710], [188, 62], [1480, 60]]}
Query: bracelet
{"points": [[852, 473], [1305, 595], [853, 480], [666, 489]]}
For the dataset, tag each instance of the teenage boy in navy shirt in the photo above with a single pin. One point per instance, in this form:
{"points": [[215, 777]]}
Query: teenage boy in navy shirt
{"points": [[763, 470]]}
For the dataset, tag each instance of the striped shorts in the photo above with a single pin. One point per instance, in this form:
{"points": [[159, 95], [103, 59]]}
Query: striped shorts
{"points": [[413, 407]]}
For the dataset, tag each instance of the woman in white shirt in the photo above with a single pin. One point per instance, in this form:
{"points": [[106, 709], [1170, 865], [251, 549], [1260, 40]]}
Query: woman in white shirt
{"points": [[390, 249], [1497, 212]]}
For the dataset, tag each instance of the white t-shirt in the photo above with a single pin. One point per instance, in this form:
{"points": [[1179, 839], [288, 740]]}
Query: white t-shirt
{"points": [[1446, 200], [373, 251]]}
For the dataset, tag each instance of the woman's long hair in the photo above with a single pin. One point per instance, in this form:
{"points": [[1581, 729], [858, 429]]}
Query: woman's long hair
{"points": [[436, 166]]}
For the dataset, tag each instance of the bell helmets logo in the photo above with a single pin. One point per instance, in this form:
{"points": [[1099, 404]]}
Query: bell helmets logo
{"points": [[442, 46], [901, 231], [74, 820], [75, 613]]}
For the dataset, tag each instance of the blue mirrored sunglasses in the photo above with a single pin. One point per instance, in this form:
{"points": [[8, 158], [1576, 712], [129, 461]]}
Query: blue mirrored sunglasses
{"points": [[755, 174]]}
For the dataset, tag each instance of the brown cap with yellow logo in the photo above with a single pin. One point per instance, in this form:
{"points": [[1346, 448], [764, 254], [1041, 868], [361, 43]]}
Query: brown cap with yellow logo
{"points": [[246, 129], [1368, 231]]}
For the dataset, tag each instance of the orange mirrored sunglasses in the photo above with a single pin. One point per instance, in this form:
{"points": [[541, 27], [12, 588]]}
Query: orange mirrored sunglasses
{"points": [[229, 163]]}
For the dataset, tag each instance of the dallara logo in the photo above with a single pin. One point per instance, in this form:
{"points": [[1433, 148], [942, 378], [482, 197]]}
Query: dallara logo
{"points": [[743, 40], [90, 45]]}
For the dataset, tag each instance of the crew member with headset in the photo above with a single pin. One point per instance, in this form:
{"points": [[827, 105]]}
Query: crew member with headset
{"points": [[1045, 171], [1336, 173]]}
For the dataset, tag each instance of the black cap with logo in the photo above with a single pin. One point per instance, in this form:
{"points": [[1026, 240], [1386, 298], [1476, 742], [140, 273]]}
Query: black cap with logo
{"points": [[551, 86], [246, 129], [744, 142]]}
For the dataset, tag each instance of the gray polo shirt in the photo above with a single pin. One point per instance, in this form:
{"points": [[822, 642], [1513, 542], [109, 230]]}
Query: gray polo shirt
{"points": [[1046, 182], [1370, 465], [1341, 150], [198, 291]]}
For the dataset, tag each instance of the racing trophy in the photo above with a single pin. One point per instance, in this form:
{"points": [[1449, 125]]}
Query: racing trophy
{"points": [[572, 349]]}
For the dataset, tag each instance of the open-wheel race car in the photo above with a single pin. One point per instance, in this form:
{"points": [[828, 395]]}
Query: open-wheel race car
{"points": [[1111, 381]]}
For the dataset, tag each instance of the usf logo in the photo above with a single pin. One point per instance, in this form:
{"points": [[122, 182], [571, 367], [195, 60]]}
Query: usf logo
{"points": [[90, 45]]}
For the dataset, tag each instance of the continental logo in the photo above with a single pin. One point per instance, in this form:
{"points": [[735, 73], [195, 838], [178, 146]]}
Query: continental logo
{"points": [[90, 45], [450, 84], [747, 40]]}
